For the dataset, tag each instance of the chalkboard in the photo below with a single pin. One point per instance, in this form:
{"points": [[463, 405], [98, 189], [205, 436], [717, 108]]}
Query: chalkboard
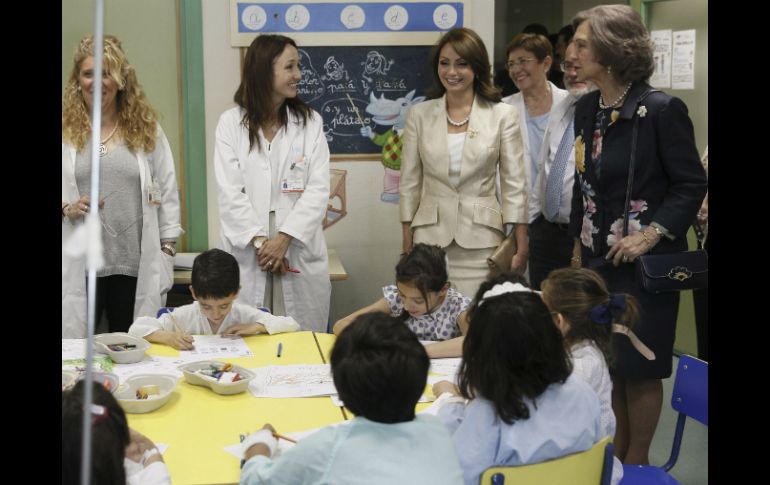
{"points": [[335, 79]]}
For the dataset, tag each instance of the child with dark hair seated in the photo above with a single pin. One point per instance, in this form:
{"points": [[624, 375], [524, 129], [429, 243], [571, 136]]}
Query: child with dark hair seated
{"points": [[215, 286], [423, 299], [119, 456], [517, 402], [380, 369]]}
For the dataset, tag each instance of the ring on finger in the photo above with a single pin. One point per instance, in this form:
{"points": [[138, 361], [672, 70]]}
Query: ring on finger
{"points": [[625, 258]]}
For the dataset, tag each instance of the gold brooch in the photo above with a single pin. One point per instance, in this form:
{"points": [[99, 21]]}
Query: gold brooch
{"points": [[580, 154], [472, 133]]}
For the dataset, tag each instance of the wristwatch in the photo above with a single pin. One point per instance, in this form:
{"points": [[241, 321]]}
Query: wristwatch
{"points": [[170, 247], [259, 241], [657, 231]]}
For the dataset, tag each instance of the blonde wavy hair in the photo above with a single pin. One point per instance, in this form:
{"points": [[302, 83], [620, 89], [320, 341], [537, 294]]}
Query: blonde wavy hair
{"points": [[136, 117]]}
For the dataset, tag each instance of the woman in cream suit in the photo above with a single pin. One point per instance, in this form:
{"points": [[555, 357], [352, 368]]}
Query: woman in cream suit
{"points": [[454, 144]]}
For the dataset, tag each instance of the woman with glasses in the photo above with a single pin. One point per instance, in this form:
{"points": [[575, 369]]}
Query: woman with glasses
{"points": [[454, 144], [529, 61], [624, 120], [139, 206]]}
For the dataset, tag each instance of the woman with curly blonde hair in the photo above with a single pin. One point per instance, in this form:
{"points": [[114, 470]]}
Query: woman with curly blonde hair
{"points": [[139, 210]]}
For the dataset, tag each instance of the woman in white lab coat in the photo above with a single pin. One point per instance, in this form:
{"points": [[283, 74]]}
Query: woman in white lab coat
{"points": [[139, 211], [271, 162]]}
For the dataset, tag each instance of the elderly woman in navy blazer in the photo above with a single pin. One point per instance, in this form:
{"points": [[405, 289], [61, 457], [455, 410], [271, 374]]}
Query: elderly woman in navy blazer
{"points": [[615, 53]]}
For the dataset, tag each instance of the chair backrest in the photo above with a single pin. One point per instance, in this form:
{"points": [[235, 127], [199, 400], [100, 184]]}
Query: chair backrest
{"points": [[690, 395], [590, 467], [164, 309]]}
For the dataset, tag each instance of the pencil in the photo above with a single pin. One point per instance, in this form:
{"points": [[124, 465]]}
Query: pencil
{"points": [[173, 321], [279, 436], [355, 108]]}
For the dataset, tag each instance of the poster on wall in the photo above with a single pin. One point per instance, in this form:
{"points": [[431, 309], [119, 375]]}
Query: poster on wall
{"points": [[683, 63], [330, 22], [661, 40], [364, 64]]}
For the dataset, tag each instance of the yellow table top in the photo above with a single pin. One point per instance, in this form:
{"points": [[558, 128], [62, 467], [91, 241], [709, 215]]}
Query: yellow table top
{"points": [[197, 423]]}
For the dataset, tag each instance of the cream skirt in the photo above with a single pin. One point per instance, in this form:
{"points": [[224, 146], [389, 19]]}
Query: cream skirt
{"points": [[467, 268]]}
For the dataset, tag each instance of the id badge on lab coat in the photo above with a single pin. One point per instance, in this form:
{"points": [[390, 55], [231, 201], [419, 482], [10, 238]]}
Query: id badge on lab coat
{"points": [[295, 182], [292, 185], [153, 193]]}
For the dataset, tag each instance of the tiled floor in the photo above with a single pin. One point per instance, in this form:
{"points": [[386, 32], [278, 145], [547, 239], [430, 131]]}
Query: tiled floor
{"points": [[692, 467]]}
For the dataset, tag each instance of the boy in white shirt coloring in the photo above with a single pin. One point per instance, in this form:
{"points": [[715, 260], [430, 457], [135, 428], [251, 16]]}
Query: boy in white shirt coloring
{"points": [[215, 286]]}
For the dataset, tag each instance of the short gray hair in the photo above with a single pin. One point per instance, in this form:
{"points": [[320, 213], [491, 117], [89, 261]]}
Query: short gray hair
{"points": [[619, 40]]}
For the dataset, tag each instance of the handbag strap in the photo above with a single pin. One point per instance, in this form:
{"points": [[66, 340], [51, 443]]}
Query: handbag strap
{"points": [[700, 234], [631, 164]]}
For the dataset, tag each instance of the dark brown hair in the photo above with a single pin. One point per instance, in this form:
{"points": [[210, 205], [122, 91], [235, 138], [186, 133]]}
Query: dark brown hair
{"points": [[470, 47], [254, 92], [512, 351], [574, 292]]}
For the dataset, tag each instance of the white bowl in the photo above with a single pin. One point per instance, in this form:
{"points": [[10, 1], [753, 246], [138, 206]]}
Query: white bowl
{"points": [[126, 394], [68, 379], [109, 380], [191, 376], [102, 341]]}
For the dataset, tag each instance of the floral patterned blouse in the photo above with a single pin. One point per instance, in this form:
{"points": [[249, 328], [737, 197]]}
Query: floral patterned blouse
{"points": [[604, 118], [441, 324]]}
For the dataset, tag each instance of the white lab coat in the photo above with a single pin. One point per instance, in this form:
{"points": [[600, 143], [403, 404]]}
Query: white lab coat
{"points": [[244, 181], [156, 268]]}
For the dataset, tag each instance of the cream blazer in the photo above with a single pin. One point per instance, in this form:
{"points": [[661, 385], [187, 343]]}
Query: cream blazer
{"points": [[469, 213]]}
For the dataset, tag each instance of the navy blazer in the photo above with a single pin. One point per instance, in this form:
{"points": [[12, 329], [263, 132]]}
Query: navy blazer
{"points": [[669, 180]]}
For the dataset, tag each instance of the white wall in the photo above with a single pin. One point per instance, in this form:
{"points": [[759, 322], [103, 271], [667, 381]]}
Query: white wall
{"points": [[368, 239]]}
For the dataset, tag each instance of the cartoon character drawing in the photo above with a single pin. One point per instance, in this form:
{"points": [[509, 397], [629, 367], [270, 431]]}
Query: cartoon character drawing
{"points": [[389, 112], [335, 71], [375, 63]]}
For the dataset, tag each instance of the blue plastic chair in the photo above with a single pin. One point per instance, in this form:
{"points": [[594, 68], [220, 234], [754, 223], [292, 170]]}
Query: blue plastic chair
{"points": [[164, 309], [690, 397]]}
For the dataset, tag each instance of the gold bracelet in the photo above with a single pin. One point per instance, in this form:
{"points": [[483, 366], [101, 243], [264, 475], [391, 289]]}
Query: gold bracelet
{"points": [[576, 259]]}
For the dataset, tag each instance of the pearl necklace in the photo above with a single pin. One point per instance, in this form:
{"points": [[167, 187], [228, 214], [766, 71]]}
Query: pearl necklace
{"points": [[613, 104], [457, 123], [102, 145]]}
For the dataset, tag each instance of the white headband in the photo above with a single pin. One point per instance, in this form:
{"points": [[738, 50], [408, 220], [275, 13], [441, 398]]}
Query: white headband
{"points": [[502, 289]]}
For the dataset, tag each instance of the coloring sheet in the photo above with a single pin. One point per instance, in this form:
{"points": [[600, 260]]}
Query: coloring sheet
{"points": [[304, 380], [215, 346]]}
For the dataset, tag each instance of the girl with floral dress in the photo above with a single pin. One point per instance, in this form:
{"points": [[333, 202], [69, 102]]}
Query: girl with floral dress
{"points": [[424, 300]]}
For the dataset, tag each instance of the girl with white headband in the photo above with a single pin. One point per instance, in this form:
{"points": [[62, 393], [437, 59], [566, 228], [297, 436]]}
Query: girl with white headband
{"points": [[587, 315], [517, 401]]}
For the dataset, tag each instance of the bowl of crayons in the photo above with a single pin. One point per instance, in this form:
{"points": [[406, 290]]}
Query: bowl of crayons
{"points": [[121, 347], [144, 393], [220, 377]]}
